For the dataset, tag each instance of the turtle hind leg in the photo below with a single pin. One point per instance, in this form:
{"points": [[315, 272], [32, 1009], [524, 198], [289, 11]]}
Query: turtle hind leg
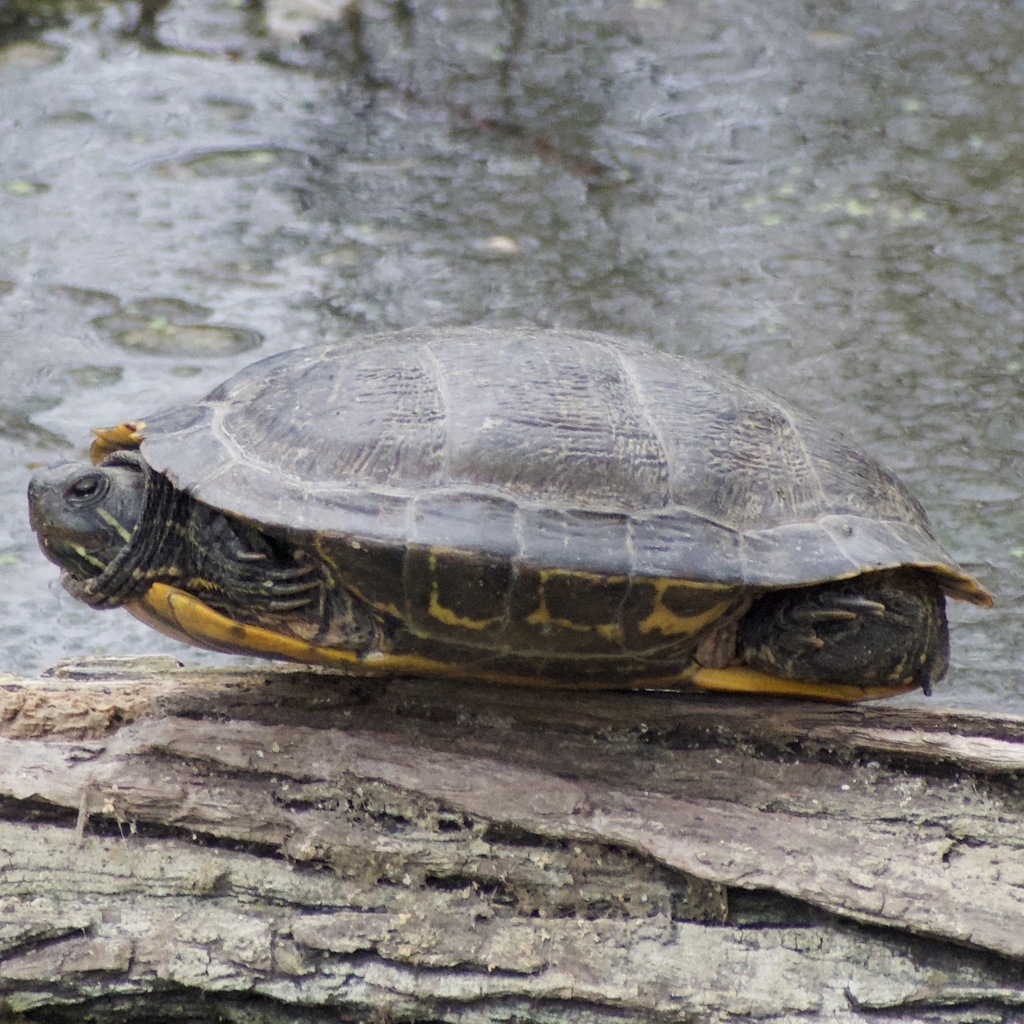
{"points": [[878, 629]]}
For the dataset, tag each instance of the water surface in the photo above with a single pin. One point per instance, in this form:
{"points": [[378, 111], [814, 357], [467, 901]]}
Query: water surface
{"points": [[825, 200]]}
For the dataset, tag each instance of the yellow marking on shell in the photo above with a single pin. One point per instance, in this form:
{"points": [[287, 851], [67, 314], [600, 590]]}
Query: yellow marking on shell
{"points": [[542, 616], [125, 535], [324, 553], [387, 608], [115, 439], [179, 615], [668, 622], [186, 618], [590, 577], [748, 680], [444, 615], [327, 558]]}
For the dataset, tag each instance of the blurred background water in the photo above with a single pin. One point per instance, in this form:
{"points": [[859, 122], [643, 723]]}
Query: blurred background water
{"points": [[825, 199]]}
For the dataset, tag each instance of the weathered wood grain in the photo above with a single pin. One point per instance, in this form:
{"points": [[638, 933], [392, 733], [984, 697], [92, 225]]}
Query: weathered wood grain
{"points": [[289, 845]]}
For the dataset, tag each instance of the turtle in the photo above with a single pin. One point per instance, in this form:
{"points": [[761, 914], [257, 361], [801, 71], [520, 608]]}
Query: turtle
{"points": [[541, 507]]}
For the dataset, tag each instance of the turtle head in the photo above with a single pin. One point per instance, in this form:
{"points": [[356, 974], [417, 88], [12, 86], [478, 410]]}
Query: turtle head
{"points": [[85, 515]]}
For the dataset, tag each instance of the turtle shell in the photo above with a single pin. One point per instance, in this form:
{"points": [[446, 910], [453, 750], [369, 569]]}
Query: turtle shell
{"points": [[554, 450]]}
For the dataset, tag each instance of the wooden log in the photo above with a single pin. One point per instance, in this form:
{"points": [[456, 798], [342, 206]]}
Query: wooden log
{"points": [[290, 845]]}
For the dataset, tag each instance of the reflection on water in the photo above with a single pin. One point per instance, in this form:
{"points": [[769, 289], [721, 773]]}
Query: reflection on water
{"points": [[828, 203]]}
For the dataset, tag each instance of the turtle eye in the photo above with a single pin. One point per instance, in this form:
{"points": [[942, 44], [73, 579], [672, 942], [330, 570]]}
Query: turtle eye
{"points": [[87, 488]]}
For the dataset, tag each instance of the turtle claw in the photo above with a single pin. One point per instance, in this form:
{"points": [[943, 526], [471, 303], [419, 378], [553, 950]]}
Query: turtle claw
{"points": [[858, 605], [800, 642], [244, 555], [289, 606], [283, 582], [806, 616], [842, 607]]}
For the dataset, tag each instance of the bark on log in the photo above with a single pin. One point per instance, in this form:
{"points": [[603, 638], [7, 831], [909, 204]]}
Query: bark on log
{"points": [[288, 845]]}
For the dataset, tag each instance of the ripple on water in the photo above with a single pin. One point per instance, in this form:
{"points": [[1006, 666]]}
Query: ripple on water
{"points": [[169, 326]]}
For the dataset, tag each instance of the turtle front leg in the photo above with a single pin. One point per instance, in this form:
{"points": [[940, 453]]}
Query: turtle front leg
{"points": [[883, 629], [256, 579], [233, 566]]}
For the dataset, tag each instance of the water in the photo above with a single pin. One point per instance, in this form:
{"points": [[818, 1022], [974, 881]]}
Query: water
{"points": [[827, 203]]}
